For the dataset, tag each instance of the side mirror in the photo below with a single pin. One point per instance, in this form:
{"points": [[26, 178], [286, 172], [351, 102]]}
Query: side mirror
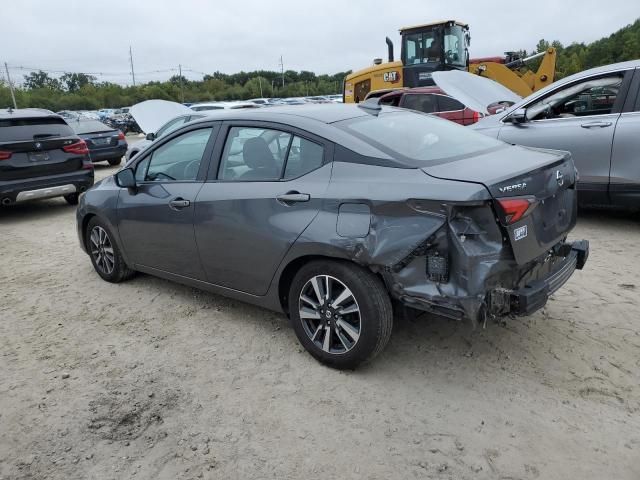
{"points": [[519, 116], [126, 178], [151, 136]]}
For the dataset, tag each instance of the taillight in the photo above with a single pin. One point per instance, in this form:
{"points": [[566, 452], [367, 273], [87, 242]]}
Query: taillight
{"points": [[77, 148], [4, 155], [120, 136], [515, 208], [476, 116]]}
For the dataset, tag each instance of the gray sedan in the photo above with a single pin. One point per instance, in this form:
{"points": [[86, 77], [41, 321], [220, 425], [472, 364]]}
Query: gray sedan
{"points": [[595, 115], [331, 212]]}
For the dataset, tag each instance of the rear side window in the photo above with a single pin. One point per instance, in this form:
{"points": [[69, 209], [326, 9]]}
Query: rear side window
{"points": [[420, 140], [24, 129], [448, 104], [256, 154], [304, 157], [391, 101], [425, 103]]}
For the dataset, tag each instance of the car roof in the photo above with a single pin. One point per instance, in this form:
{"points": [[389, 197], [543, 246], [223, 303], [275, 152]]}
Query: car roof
{"points": [[315, 118], [318, 112], [26, 113]]}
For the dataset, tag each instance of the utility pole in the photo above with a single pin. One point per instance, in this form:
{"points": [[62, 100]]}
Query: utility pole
{"points": [[13, 95], [133, 75], [273, 92], [180, 76], [282, 70], [260, 81]]}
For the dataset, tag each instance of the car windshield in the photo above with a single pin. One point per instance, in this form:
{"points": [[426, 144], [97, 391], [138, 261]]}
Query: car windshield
{"points": [[418, 139]]}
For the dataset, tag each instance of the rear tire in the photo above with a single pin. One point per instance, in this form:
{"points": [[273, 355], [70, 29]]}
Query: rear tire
{"points": [[105, 254], [114, 161], [72, 198], [352, 325]]}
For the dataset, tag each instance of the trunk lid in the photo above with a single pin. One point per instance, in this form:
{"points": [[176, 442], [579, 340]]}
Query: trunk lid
{"points": [[546, 178]]}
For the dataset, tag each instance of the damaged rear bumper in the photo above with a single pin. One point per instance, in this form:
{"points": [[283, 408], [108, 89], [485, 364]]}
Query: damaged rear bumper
{"points": [[533, 296], [500, 301]]}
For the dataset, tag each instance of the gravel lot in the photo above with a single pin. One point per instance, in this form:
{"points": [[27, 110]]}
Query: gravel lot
{"points": [[154, 380]]}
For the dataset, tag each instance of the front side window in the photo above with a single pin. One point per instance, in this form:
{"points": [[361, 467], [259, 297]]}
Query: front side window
{"points": [[425, 103], [262, 154], [178, 160], [595, 96]]}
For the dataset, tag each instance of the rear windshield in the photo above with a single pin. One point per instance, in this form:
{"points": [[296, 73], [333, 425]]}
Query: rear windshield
{"points": [[21, 129], [89, 126], [418, 139]]}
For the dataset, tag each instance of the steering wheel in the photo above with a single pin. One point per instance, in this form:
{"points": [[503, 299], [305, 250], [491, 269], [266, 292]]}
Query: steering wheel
{"points": [[191, 169]]}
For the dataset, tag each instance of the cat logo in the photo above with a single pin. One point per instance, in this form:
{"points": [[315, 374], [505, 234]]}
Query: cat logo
{"points": [[391, 77]]}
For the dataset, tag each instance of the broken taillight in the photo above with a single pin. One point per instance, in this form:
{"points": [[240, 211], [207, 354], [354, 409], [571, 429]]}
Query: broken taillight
{"points": [[514, 209]]}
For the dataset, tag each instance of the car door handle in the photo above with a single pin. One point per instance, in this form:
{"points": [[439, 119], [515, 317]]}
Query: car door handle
{"points": [[179, 203], [598, 124], [293, 197]]}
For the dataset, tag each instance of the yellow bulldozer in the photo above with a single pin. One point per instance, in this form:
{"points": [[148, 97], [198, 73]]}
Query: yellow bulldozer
{"points": [[445, 46]]}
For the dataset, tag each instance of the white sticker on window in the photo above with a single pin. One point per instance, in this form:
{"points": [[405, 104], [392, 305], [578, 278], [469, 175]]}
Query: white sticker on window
{"points": [[519, 233]]}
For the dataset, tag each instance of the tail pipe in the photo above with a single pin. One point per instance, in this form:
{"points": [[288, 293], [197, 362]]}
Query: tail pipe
{"points": [[390, 48]]}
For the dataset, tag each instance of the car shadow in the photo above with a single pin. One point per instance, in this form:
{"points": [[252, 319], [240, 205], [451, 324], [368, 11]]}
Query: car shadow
{"points": [[416, 340]]}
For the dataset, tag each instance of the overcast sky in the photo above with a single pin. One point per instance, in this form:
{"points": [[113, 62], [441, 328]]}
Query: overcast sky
{"points": [[229, 36]]}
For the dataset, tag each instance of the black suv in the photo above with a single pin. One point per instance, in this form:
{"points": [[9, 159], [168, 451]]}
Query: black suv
{"points": [[41, 157]]}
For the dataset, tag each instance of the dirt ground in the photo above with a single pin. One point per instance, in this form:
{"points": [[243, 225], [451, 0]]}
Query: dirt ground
{"points": [[153, 380]]}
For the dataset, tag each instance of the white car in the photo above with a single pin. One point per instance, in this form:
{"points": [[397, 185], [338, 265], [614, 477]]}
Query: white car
{"points": [[199, 107]]}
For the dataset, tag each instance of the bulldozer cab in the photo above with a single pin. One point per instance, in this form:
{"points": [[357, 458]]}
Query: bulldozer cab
{"points": [[433, 47]]}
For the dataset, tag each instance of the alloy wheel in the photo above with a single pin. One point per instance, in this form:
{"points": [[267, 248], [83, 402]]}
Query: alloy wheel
{"points": [[330, 314], [102, 250]]}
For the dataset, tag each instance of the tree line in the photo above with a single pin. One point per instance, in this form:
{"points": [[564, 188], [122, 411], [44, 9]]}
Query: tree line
{"points": [[79, 91]]}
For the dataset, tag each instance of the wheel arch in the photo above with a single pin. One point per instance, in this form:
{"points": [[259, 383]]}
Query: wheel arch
{"points": [[294, 265]]}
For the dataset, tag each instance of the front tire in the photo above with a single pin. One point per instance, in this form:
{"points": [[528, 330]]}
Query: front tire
{"points": [[114, 161], [340, 312], [105, 254]]}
